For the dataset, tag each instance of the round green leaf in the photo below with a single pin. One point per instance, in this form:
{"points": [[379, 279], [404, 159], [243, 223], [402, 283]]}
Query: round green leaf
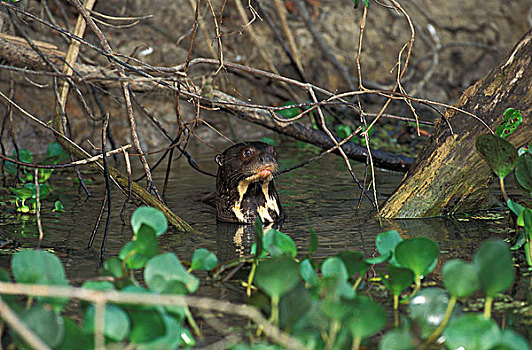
{"points": [[113, 267], [307, 272], [523, 172], [58, 206], [354, 262], [46, 324], [203, 260], [387, 241], [494, 265], [472, 332], [164, 269], [24, 155], [116, 322], [400, 278], [500, 154], [512, 341], [38, 267], [418, 254], [334, 267], [276, 242], [151, 217], [98, 285], [460, 278], [366, 317], [277, 276], [289, 112], [147, 325], [75, 338], [397, 339]]}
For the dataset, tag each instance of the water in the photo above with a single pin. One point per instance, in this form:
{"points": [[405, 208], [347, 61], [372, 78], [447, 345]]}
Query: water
{"points": [[321, 195]]}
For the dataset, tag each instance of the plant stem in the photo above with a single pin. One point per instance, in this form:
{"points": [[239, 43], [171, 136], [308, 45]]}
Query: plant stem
{"points": [[414, 292], [333, 332], [357, 282], [487, 307], [434, 336], [396, 310], [250, 278], [274, 318], [503, 190], [356, 343], [192, 322]]}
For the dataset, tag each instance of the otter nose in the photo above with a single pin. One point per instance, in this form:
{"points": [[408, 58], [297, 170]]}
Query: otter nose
{"points": [[266, 158]]}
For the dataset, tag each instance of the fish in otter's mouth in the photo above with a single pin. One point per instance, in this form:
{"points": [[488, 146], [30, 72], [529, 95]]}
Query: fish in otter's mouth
{"points": [[244, 184]]}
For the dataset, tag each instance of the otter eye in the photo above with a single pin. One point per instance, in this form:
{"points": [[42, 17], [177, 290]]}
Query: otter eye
{"points": [[248, 152], [273, 151]]}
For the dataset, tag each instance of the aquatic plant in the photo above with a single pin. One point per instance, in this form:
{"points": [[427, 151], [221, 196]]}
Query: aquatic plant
{"points": [[25, 195], [503, 158], [320, 305]]}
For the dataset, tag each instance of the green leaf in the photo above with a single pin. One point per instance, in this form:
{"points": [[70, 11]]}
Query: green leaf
{"points": [[162, 271], [277, 276], [134, 261], [386, 243], [354, 262], [46, 324], [334, 267], [58, 207], [366, 317], [307, 272], [38, 267], [147, 324], [494, 265], [472, 332], [268, 140], [516, 208], [75, 338], [203, 260], [342, 131], [113, 267], [500, 154], [397, 339], [151, 217], [21, 193], [460, 278], [146, 242], [512, 119], [418, 254], [56, 151], [400, 278], [294, 305], [276, 243], [289, 112], [24, 155], [313, 246], [523, 172], [116, 322], [512, 341], [174, 336], [98, 285]]}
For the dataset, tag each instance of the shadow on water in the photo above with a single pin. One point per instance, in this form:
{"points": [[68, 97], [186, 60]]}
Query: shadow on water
{"points": [[321, 195]]}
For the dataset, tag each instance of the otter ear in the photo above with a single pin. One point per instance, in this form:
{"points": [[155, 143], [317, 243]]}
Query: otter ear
{"points": [[219, 159]]}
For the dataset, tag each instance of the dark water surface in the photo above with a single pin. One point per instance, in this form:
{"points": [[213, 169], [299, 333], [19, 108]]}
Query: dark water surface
{"points": [[321, 194]]}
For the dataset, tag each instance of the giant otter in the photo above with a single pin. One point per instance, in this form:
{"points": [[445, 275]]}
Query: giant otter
{"points": [[244, 184]]}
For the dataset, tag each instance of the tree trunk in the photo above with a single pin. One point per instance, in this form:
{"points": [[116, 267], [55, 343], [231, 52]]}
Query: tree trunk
{"points": [[449, 176]]}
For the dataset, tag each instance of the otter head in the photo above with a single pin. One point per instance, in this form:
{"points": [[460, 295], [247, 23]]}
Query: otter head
{"points": [[244, 184]]}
